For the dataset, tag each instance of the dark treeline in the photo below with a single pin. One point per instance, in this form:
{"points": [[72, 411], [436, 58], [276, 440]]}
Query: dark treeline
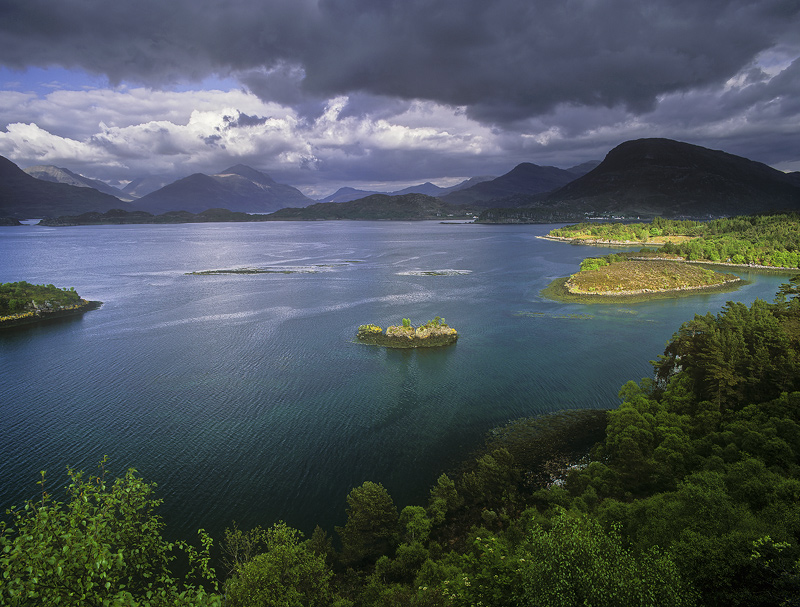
{"points": [[690, 495]]}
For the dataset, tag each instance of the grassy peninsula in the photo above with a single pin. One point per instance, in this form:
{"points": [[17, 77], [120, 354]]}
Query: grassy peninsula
{"points": [[433, 333], [639, 274], [24, 303]]}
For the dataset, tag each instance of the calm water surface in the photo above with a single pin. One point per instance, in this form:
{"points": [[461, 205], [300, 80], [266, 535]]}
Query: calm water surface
{"points": [[244, 396]]}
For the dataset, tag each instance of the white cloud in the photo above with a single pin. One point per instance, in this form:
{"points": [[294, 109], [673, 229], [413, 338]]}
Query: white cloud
{"points": [[32, 142], [107, 133]]}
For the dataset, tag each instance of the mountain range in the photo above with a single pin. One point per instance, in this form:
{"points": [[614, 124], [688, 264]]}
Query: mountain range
{"points": [[645, 177], [525, 178], [346, 194]]}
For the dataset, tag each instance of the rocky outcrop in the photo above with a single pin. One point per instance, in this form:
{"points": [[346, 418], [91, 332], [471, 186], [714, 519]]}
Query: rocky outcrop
{"points": [[40, 312], [432, 334]]}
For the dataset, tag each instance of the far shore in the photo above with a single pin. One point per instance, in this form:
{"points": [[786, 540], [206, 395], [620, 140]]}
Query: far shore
{"points": [[632, 243]]}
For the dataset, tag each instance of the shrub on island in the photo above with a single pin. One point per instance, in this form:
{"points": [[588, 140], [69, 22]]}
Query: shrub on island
{"points": [[433, 333]]}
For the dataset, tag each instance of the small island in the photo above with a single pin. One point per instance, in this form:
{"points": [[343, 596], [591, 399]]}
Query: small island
{"points": [[22, 303], [433, 333], [638, 276]]}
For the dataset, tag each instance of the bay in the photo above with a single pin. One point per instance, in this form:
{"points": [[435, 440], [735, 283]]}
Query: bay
{"points": [[244, 397]]}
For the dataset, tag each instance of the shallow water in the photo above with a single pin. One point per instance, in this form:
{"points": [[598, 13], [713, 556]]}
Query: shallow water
{"points": [[243, 395]]}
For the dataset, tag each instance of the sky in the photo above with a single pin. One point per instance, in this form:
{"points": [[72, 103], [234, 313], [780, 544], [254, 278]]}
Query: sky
{"points": [[382, 94]]}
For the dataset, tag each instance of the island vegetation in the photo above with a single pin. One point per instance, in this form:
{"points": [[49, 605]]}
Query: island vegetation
{"points": [[433, 333], [754, 240], [25, 303], [687, 494], [758, 241], [626, 275]]}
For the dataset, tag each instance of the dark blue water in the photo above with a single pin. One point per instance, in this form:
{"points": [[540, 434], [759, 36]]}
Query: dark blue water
{"points": [[244, 396]]}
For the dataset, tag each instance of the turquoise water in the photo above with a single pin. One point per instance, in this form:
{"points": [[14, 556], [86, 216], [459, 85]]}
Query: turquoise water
{"points": [[244, 397]]}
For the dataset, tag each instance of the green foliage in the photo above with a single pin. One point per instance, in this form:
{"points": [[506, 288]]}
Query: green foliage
{"points": [[17, 297], [444, 499], [574, 562], [322, 544], [739, 356], [371, 529], [102, 547], [239, 547], [593, 263], [406, 323], [287, 574], [415, 522], [494, 479]]}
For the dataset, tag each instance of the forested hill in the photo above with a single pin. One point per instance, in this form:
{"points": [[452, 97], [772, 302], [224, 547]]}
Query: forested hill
{"points": [[376, 206], [691, 497], [660, 177], [671, 178]]}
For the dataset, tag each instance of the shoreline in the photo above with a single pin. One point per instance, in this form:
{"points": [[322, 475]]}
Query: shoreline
{"points": [[31, 318], [630, 243]]}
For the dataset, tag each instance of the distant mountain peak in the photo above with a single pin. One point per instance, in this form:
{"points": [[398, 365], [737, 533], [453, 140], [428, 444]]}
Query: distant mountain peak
{"points": [[27, 197], [524, 179], [239, 188], [248, 173], [54, 174]]}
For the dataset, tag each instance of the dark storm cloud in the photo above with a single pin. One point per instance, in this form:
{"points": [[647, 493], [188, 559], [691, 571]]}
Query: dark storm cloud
{"points": [[243, 120], [212, 140], [505, 60]]}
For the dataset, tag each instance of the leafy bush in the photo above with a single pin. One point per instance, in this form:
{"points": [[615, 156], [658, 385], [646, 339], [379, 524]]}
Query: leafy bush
{"points": [[102, 547]]}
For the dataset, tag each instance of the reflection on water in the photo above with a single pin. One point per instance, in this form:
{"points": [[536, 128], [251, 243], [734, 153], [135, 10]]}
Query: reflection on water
{"points": [[245, 397]]}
